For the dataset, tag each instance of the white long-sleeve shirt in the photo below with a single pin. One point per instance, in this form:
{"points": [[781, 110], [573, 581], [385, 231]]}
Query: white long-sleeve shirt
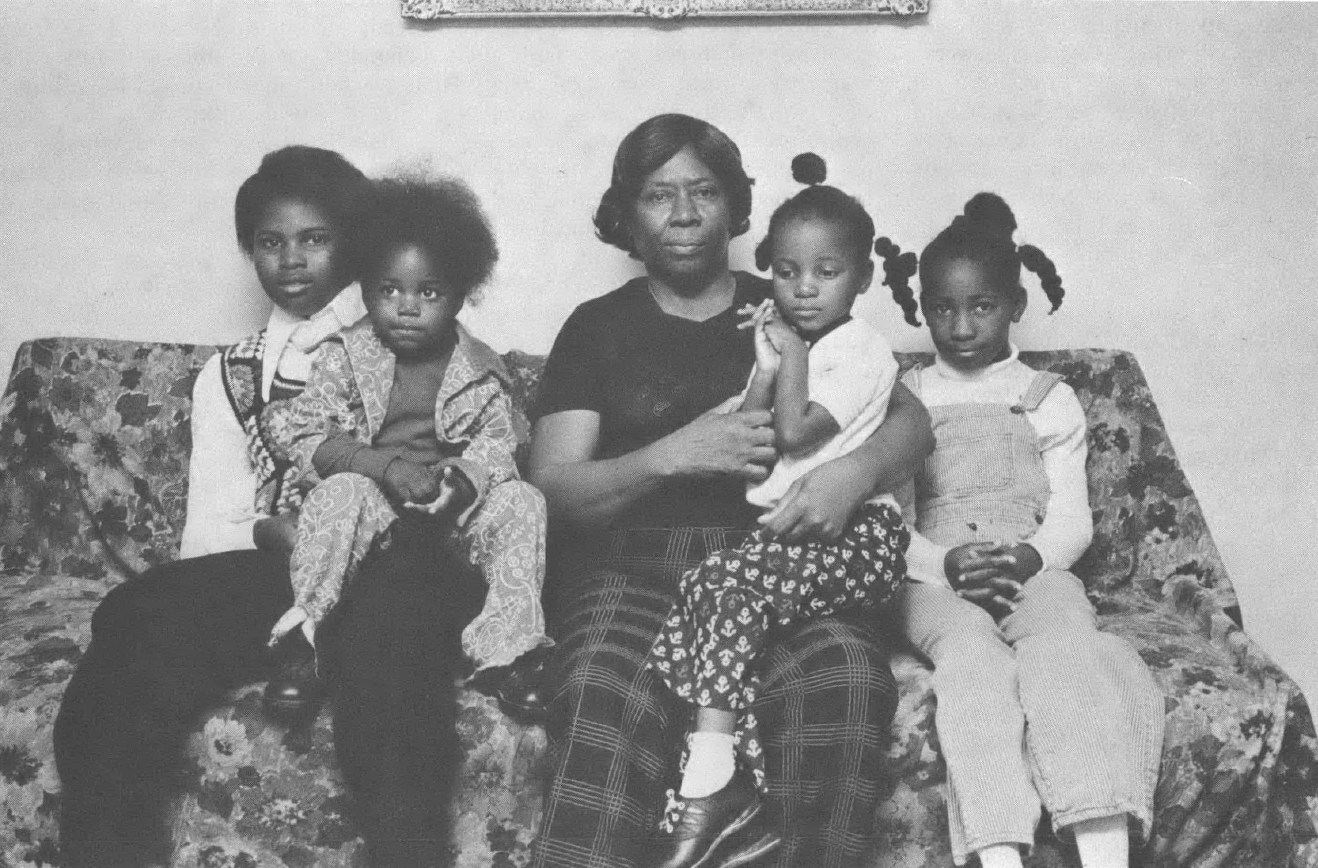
{"points": [[222, 483], [1059, 421]]}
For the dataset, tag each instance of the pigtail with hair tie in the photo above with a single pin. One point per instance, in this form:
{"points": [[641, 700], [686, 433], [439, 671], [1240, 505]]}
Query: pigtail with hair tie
{"points": [[898, 269], [1038, 262]]}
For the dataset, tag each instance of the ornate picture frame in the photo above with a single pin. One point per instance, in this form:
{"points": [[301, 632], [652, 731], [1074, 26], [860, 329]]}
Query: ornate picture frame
{"points": [[662, 10]]}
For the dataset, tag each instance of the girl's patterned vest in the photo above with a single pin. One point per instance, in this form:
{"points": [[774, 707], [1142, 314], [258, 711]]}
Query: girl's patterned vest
{"points": [[985, 481], [240, 369]]}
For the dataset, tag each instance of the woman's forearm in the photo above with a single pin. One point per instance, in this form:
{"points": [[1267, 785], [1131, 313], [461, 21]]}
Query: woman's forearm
{"points": [[580, 489], [590, 494], [897, 450]]}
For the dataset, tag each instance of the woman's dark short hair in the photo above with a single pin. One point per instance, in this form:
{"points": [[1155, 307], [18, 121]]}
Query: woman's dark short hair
{"points": [[440, 215], [648, 147], [314, 175]]}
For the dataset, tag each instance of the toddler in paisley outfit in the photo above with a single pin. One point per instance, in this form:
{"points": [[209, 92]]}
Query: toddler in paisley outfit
{"points": [[405, 417], [828, 378]]}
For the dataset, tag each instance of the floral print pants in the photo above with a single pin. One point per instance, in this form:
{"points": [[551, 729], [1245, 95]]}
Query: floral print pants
{"points": [[504, 538], [707, 650]]}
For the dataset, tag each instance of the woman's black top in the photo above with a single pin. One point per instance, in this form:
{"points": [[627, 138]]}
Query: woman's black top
{"points": [[648, 373]]}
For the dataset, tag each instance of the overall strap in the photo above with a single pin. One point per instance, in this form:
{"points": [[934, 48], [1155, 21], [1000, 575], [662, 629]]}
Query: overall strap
{"points": [[1039, 388], [911, 379]]}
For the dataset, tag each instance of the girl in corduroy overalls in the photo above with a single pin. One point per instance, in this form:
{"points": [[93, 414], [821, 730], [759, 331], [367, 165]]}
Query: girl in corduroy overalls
{"points": [[1036, 706]]}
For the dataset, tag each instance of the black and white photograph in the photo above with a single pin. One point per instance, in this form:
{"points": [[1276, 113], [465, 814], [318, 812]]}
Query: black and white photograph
{"points": [[658, 434]]}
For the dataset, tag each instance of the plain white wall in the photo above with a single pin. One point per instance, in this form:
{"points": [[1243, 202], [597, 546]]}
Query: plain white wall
{"points": [[1164, 155]]}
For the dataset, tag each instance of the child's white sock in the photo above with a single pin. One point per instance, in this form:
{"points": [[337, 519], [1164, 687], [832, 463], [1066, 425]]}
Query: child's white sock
{"points": [[1103, 842], [710, 766], [1000, 856]]}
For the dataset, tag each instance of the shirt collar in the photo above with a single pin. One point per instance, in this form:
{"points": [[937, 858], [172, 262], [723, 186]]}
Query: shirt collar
{"points": [[346, 308], [948, 372], [480, 355]]}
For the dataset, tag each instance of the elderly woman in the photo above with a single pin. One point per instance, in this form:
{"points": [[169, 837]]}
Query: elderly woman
{"points": [[643, 483]]}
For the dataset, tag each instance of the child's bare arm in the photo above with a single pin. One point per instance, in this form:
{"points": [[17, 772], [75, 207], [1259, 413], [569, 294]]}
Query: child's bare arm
{"points": [[799, 424], [759, 394]]}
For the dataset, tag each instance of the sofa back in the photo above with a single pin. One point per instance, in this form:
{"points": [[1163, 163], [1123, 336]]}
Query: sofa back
{"points": [[95, 436]]}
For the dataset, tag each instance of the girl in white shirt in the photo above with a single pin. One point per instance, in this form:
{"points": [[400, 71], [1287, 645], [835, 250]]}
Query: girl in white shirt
{"points": [[1001, 515], [827, 377]]}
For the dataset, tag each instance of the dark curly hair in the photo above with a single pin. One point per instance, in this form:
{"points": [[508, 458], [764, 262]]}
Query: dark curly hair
{"points": [[440, 215], [982, 233], [323, 178], [655, 142], [819, 201]]}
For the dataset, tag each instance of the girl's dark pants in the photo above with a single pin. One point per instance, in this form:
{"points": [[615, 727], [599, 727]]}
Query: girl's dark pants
{"points": [[168, 644]]}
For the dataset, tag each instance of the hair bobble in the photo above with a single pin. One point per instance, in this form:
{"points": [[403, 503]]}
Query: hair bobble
{"points": [[991, 214], [809, 168], [819, 201]]}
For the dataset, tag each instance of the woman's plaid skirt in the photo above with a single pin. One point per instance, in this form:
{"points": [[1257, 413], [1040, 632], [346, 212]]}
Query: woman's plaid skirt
{"points": [[824, 710]]}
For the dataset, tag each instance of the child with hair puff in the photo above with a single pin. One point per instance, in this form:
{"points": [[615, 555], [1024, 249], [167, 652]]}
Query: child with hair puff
{"points": [[407, 414], [828, 378], [1036, 707]]}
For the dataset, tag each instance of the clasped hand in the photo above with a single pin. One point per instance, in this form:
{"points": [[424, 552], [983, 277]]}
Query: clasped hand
{"points": [[991, 575], [419, 488], [772, 334]]}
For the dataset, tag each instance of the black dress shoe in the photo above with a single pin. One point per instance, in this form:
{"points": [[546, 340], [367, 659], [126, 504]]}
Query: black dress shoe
{"points": [[721, 830], [518, 687], [296, 688]]}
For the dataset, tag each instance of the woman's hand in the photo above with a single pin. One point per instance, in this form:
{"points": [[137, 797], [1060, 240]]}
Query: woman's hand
{"points": [[817, 507], [734, 444], [276, 534]]}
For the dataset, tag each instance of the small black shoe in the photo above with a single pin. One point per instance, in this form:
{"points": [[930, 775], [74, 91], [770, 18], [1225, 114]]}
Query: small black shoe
{"points": [[519, 687], [722, 830], [748, 847], [296, 689]]}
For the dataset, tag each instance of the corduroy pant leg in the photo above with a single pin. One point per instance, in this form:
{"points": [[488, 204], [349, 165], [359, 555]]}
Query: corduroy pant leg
{"points": [[1094, 715], [991, 795]]}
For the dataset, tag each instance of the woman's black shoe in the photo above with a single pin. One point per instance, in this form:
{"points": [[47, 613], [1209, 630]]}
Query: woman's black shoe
{"points": [[722, 830], [295, 688], [519, 687]]}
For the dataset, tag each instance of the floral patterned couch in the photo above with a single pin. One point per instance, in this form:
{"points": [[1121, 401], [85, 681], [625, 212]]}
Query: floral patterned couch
{"points": [[94, 444]]}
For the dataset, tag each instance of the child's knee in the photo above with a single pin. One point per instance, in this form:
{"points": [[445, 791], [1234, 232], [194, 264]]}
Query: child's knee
{"points": [[122, 609], [342, 488], [1053, 601], [523, 498], [971, 639]]}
